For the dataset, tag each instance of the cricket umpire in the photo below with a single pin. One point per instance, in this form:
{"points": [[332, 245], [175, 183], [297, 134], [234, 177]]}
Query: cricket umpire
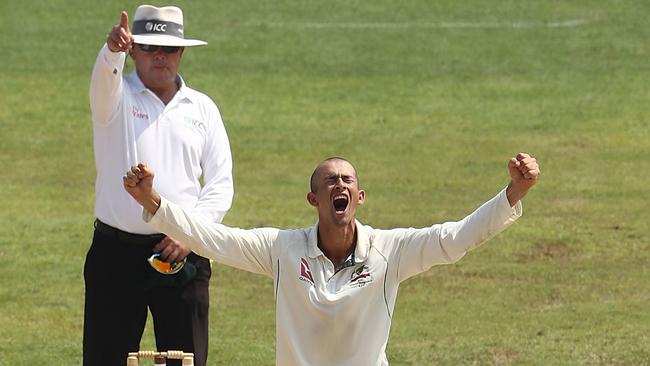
{"points": [[150, 115]]}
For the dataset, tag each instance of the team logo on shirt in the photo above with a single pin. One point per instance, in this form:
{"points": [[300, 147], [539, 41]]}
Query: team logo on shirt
{"points": [[137, 113], [194, 122], [360, 277], [305, 271]]}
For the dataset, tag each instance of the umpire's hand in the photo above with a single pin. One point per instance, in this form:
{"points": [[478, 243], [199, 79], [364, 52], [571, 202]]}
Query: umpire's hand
{"points": [[120, 39]]}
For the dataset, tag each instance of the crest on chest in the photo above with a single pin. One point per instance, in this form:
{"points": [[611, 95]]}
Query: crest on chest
{"points": [[360, 277]]}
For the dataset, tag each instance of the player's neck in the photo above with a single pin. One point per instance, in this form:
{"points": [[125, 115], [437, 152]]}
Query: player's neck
{"points": [[337, 242]]}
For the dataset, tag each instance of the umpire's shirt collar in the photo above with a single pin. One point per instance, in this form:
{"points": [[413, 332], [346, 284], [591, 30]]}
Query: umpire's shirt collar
{"points": [[139, 87]]}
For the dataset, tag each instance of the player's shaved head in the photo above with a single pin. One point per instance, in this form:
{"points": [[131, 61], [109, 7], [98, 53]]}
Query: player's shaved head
{"points": [[315, 174]]}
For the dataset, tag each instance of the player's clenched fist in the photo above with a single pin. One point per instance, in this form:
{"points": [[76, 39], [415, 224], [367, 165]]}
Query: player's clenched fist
{"points": [[120, 39], [138, 182], [524, 172], [523, 167]]}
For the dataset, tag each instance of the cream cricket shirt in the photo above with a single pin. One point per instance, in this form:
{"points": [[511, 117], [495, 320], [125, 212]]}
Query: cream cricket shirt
{"points": [[328, 318], [180, 141]]}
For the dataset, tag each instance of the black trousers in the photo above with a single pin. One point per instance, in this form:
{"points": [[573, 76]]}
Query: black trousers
{"points": [[119, 290]]}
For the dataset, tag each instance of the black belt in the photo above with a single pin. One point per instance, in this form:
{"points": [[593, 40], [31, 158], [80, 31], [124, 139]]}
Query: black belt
{"points": [[123, 236]]}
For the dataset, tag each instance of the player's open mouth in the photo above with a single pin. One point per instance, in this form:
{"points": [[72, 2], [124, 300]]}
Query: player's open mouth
{"points": [[340, 203]]}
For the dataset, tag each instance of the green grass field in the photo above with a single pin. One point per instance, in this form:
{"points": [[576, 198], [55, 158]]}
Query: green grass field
{"points": [[429, 99]]}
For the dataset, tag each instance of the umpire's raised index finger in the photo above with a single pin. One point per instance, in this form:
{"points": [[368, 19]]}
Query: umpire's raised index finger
{"points": [[124, 20]]}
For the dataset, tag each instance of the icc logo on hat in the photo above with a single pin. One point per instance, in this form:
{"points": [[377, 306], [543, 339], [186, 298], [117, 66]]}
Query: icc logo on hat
{"points": [[155, 27]]}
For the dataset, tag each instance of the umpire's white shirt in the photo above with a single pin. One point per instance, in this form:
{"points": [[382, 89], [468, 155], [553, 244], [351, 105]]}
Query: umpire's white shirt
{"points": [[335, 318], [180, 141]]}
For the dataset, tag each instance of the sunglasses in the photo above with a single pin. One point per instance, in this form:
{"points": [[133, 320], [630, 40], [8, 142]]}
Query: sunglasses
{"points": [[151, 48]]}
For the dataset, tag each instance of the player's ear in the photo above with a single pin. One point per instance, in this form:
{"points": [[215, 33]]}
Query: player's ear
{"points": [[311, 198], [362, 197]]}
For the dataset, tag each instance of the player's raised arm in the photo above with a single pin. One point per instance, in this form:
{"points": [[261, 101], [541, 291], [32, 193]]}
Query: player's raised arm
{"points": [[120, 39], [524, 172]]}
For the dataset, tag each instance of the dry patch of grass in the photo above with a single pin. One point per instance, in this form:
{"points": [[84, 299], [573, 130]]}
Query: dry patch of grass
{"points": [[548, 251]]}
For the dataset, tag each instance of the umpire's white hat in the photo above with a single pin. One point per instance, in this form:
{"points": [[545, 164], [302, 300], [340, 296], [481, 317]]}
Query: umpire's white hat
{"points": [[161, 27]]}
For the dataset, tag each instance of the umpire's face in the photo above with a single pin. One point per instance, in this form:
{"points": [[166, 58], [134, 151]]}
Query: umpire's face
{"points": [[337, 194], [157, 67]]}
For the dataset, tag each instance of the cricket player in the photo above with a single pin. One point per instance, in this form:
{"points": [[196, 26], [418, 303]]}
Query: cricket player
{"points": [[336, 282]]}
